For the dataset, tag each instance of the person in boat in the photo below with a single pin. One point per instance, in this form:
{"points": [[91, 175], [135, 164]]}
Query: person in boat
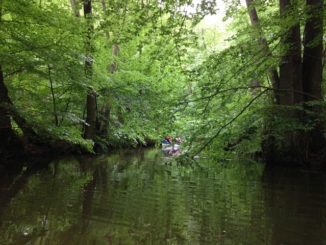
{"points": [[170, 139], [178, 140], [172, 147], [167, 140]]}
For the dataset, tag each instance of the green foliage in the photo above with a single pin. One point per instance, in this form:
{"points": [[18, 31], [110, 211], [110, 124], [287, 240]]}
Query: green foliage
{"points": [[43, 51], [229, 104], [157, 70]]}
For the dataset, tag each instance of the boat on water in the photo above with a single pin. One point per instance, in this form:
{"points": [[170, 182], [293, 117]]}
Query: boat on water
{"points": [[171, 149]]}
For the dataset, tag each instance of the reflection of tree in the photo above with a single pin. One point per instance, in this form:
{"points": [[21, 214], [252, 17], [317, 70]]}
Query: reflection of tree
{"points": [[10, 186], [135, 199], [88, 195], [294, 202], [13, 180], [41, 200]]}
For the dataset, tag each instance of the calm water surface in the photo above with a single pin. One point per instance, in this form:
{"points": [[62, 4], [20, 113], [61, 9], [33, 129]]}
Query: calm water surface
{"points": [[135, 197]]}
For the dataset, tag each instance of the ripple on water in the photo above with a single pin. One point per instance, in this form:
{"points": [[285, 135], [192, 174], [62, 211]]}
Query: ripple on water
{"points": [[135, 199]]}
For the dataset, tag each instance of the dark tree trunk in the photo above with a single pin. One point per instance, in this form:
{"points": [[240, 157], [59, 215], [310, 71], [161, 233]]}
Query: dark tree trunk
{"points": [[290, 68], [91, 96], [272, 72], [54, 102], [91, 115], [7, 110], [300, 82], [87, 8], [103, 117], [7, 135], [5, 124], [312, 74], [6, 132], [313, 50], [10, 141], [288, 148]]}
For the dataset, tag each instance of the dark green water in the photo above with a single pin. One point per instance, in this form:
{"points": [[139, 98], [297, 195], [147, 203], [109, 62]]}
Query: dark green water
{"points": [[133, 197]]}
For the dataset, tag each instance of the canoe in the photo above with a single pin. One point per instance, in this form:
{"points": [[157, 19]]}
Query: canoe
{"points": [[170, 147]]}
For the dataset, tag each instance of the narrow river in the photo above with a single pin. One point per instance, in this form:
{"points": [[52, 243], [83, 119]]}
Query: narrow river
{"points": [[137, 197]]}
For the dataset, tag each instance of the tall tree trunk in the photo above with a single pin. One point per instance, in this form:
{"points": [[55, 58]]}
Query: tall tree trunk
{"points": [[7, 136], [288, 148], [103, 119], [312, 74], [105, 113], [6, 132], [272, 72], [7, 110], [75, 8], [313, 50], [290, 68], [89, 132], [54, 102], [301, 82], [90, 115]]}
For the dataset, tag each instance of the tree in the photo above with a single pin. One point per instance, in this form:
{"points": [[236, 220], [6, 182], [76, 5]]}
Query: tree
{"points": [[75, 8], [224, 95], [6, 132], [313, 73], [300, 84], [273, 73], [90, 126], [26, 54]]}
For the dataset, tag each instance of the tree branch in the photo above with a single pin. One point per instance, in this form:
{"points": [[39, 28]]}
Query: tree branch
{"points": [[230, 122]]}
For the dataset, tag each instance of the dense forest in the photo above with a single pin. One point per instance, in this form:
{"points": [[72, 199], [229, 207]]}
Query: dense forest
{"points": [[87, 76]]}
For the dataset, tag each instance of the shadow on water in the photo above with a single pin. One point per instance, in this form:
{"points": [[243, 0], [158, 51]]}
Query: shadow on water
{"points": [[133, 197], [13, 177], [295, 205]]}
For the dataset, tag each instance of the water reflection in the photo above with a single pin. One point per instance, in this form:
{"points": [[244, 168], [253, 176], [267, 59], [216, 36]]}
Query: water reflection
{"points": [[132, 197], [295, 206]]}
